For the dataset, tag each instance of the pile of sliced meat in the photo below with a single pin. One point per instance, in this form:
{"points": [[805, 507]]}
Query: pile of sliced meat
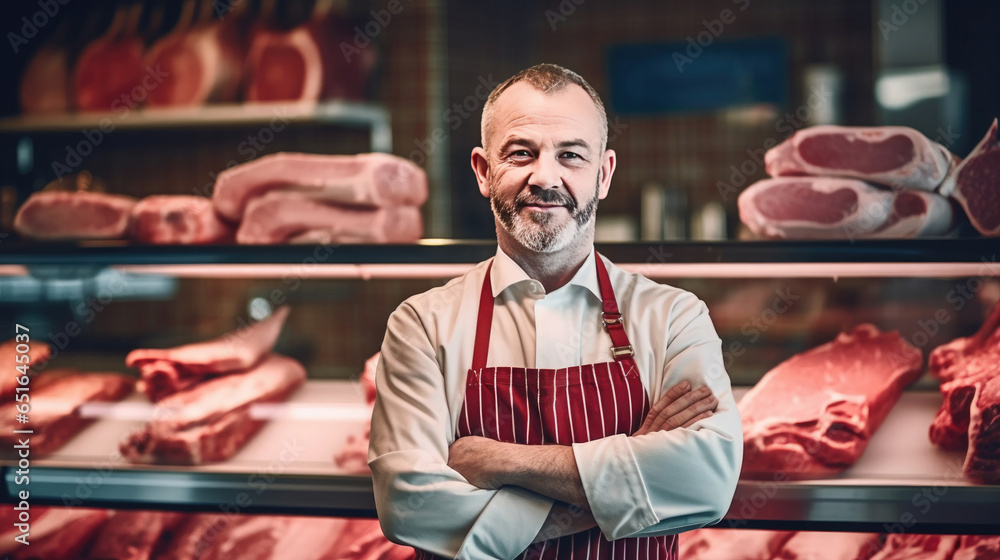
{"points": [[312, 198], [834, 397], [834, 182], [56, 397], [205, 393], [279, 198], [969, 417], [94, 534], [748, 544]]}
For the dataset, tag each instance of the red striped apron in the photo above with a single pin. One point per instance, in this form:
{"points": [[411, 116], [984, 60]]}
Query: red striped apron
{"points": [[561, 407]]}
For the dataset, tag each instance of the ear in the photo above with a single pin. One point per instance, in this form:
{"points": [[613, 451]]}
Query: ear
{"points": [[608, 163], [481, 166]]}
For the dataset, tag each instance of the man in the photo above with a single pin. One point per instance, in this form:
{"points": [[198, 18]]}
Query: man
{"points": [[511, 411]]}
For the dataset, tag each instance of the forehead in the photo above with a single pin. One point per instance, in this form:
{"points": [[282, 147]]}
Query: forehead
{"points": [[523, 110]]}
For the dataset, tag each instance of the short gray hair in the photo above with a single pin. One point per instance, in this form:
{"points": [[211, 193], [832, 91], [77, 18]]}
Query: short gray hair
{"points": [[547, 78]]}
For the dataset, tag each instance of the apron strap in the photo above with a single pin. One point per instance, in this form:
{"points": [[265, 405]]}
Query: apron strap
{"points": [[621, 348], [483, 323]]}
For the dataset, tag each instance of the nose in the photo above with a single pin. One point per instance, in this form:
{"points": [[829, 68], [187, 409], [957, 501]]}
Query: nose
{"points": [[546, 173]]}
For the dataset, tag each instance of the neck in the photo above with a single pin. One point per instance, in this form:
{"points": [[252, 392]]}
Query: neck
{"points": [[553, 270]]}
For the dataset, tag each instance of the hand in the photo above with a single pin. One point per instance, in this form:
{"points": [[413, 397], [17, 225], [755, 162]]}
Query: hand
{"points": [[679, 407], [472, 457]]}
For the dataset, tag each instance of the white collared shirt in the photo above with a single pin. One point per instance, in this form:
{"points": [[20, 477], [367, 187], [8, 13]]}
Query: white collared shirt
{"points": [[658, 483]]}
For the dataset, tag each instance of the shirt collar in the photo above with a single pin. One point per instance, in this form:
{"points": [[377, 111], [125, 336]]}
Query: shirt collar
{"points": [[506, 273]]}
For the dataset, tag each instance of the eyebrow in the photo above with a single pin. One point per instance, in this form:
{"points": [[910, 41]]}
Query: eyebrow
{"points": [[573, 143]]}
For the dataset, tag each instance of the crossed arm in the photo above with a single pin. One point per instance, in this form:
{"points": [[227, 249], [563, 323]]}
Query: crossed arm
{"points": [[551, 470]]}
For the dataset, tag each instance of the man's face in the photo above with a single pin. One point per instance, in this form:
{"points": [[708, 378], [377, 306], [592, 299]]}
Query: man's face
{"points": [[544, 174]]}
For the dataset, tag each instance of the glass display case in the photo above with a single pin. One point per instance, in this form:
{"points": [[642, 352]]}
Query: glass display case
{"points": [[94, 302]]}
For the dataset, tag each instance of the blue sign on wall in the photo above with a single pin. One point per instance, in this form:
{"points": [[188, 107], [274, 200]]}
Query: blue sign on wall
{"points": [[686, 76]]}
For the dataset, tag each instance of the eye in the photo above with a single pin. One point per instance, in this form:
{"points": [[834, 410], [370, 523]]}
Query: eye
{"points": [[571, 155], [520, 153]]}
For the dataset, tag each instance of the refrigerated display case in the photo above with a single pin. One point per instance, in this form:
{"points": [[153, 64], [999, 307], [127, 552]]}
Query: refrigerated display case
{"points": [[768, 300]]}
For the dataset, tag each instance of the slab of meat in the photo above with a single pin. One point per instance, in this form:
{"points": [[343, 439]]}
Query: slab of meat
{"points": [[178, 220], [975, 184], [974, 547], [731, 544], [275, 537], [203, 63], [982, 462], [294, 217], [373, 179], [833, 399], [367, 377], [74, 215], [823, 545], [814, 208], [37, 354], [917, 214], [362, 539], [134, 535], [306, 63], [963, 365], [56, 534], [165, 371], [111, 67], [195, 535], [896, 156], [917, 547], [211, 421], [45, 85], [55, 406]]}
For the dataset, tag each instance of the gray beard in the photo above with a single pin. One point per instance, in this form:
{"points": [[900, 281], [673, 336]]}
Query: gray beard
{"points": [[531, 231]]}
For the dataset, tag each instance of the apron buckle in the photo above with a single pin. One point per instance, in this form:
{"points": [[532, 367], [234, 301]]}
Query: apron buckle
{"points": [[617, 320], [618, 351]]}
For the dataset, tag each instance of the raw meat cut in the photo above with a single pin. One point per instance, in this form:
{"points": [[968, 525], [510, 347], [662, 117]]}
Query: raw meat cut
{"points": [[822, 545], [833, 399], [195, 535], [307, 63], [896, 156], [56, 534], [963, 365], [202, 61], [110, 68], [134, 535], [74, 215], [168, 370], [274, 537], [373, 179], [352, 457], [975, 547], [917, 547], [178, 219], [975, 184], [284, 66], [292, 217], [45, 86], [814, 208], [55, 406], [731, 544], [212, 420], [917, 214], [37, 354], [362, 539], [367, 377], [982, 462]]}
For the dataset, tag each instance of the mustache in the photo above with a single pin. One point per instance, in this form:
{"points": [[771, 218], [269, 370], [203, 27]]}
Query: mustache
{"points": [[536, 195]]}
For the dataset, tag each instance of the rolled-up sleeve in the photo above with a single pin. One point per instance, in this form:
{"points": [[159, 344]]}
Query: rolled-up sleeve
{"points": [[670, 481], [420, 500]]}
